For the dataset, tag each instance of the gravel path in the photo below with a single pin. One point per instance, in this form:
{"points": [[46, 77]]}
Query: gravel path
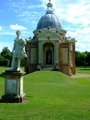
{"points": [[78, 75]]}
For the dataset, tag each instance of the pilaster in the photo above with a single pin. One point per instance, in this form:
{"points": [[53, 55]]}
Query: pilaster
{"points": [[56, 54], [40, 54]]}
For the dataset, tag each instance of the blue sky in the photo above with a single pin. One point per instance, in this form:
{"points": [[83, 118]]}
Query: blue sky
{"points": [[74, 16]]}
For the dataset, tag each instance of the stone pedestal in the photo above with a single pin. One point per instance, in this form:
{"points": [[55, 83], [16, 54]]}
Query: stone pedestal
{"points": [[13, 86]]}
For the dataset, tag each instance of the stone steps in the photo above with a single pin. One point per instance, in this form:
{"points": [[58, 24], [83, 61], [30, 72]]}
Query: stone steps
{"points": [[47, 68]]}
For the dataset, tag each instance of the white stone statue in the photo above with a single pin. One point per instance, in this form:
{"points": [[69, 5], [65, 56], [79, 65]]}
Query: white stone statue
{"points": [[18, 52]]}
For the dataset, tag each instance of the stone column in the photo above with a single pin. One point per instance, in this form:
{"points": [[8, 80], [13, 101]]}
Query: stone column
{"points": [[40, 53], [70, 55], [56, 55]]}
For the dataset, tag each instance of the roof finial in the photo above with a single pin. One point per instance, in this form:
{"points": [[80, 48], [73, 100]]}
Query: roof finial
{"points": [[49, 5]]}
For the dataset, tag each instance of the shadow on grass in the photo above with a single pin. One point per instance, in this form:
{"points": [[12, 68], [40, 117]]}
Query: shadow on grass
{"points": [[84, 69], [2, 75], [1, 101], [12, 100]]}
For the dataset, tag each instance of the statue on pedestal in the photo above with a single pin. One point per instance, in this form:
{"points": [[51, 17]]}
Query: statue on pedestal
{"points": [[18, 52], [14, 76]]}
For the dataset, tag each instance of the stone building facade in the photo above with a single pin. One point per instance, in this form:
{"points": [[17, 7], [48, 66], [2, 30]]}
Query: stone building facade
{"points": [[50, 48]]}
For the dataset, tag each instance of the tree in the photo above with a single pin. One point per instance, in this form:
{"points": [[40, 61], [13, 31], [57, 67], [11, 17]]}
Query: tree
{"points": [[78, 58], [82, 58], [3, 61], [6, 53], [88, 58], [5, 57]]}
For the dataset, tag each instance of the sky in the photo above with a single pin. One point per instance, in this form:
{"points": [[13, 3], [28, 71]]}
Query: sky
{"points": [[74, 16]]}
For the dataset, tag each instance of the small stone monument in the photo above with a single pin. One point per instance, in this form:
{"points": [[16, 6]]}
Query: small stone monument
{"points": [[14, 76]]}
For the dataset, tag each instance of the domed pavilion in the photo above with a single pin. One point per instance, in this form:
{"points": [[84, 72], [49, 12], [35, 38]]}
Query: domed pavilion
{"points": [[50, 48]]}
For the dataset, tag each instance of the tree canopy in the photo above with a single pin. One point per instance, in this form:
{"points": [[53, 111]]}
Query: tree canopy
{"points": [[5, 57], [82, 58]]}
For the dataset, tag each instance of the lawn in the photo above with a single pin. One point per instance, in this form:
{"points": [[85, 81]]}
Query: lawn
{"points": [[50, 96], [83, 70]]}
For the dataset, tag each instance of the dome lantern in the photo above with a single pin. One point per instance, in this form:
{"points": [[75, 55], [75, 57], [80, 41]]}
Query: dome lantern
{"points": [[49, 5]]}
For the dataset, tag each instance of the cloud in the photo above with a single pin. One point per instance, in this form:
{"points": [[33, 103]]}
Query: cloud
{"points": [[73, 12], [75, 17], [26, 12], [17, 27], [81, 46], [80, 33], [78, 14], [82, 37]]}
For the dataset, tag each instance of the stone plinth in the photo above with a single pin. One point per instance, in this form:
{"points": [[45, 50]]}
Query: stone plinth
{"points": [[13, 86]]}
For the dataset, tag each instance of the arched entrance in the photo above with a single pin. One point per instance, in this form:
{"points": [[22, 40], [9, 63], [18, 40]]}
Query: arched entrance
{"points": [[48, 56]]}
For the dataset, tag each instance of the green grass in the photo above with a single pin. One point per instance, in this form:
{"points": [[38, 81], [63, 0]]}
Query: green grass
{"points": [[50, 96], [83, 70]]}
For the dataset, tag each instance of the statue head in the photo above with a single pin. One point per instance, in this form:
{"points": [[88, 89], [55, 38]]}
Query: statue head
{"points": [[18, 33]]}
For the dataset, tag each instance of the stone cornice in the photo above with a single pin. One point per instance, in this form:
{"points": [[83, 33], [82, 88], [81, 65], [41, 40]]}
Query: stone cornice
{"points": [[51, 31]]}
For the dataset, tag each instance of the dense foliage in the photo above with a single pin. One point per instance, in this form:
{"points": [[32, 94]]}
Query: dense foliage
{"points": [[5, 57], [82, 58]]}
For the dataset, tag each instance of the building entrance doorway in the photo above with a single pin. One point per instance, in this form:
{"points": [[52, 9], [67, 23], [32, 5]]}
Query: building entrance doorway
{"points": [[48, 54], [48, 57]]}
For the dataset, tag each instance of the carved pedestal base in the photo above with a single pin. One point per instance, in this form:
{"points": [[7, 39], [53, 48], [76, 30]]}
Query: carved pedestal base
{"points": [[13, 98], [13, 87]]}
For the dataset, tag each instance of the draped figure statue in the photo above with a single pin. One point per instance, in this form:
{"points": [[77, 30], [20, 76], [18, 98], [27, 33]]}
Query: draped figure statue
{"points": [[18, 52]]}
